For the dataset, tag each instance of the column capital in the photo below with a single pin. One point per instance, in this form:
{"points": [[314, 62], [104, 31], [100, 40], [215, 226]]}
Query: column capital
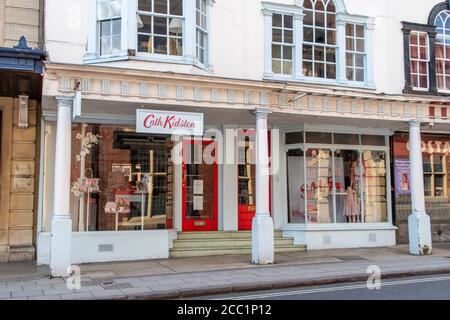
{"points": [[414, 123], [64, 101], [261, 113]]}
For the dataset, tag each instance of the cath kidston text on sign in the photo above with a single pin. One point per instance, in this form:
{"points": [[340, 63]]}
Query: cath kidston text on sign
{"points": [[167, 122]]}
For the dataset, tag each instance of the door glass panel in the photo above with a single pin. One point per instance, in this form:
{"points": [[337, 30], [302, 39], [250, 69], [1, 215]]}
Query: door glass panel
{"points": [[246, 170], [200, 187]]}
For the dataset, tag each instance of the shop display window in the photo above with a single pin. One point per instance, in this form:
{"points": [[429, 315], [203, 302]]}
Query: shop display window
{"points": [[347, 166], [319, 186], [332, 185], [120, 179], [375, 197]]}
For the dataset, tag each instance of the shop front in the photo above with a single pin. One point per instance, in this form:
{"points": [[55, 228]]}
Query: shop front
{"points": [[149, 157], [137, 181], [436, 178], [338, 187]]}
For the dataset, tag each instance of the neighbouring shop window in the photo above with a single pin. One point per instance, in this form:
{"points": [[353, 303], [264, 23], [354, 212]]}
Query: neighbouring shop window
{"points": [[282, 44], [436, 175], [201, 30], [109, 19], [319, 39], [419, 59], [120, 180], [355, 52], [334, 185], [160, 27]]}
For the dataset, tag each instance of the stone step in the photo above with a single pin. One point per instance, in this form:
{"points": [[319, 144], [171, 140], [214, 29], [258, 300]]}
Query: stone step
{"points": [[180, 253], [220, 235], [220, 242]]}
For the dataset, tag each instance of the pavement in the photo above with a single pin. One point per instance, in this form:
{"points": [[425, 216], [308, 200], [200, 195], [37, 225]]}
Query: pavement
{"points": [[206, 276]]}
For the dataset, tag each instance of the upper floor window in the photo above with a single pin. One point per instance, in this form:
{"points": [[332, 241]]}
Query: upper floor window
{"points": [[160, 27], [201, 25], [173, 31], [282, 44], [419, 54], [355, 52], [427, 53], [442, 24], [319, 39], [109, 19]]}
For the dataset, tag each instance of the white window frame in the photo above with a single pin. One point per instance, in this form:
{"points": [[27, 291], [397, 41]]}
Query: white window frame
{"points": [[99, 29], [418, 60], [204, 31], [129, 37], [167, 16], [342, 18], [324, 45], [355, 53], [445, 58], [283, 45], [304, 146]]}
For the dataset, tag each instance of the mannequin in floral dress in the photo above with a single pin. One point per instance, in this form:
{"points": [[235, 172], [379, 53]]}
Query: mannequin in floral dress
{"points": [[351, 202]]}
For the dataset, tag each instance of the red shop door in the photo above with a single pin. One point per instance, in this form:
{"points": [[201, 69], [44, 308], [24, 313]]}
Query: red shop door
{"points": [[200, 185], [246, 179]]}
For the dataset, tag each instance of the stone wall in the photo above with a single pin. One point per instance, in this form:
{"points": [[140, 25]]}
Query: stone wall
{"points": [[19, 18], [18, 199]]}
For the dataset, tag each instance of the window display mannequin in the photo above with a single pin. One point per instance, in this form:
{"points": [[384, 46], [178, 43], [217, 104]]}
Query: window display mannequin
{"points": [[351, 201]]}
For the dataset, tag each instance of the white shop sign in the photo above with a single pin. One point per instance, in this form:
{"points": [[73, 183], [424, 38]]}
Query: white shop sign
{"points": [[168, 122]]}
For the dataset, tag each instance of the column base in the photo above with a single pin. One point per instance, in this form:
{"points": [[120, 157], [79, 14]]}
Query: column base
{"points": [[263, 246], [61, 248], [419, 231]]}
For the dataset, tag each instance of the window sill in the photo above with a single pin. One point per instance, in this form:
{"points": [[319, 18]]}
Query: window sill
{"points": [[427, 92], [320, 81], [157, 58]]}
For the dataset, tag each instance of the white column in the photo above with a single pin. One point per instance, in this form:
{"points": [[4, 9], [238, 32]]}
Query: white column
{"points": [[177, 158], [61, 234], [418, 222], [262, 228], [230, 180]]}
